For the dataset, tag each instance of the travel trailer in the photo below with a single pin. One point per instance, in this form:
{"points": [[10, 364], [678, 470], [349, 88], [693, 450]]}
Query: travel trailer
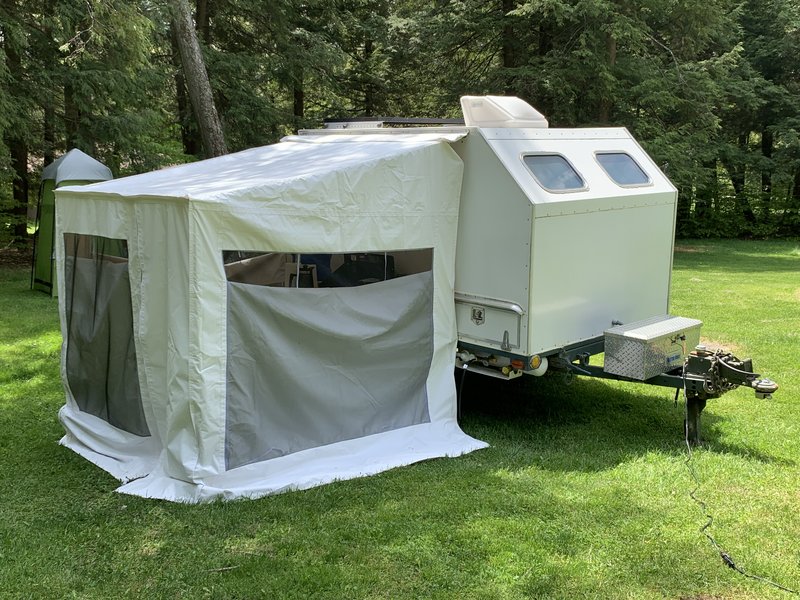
{"points": [[288, 316]]}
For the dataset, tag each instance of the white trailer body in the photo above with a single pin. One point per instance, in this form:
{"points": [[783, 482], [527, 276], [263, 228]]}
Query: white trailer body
{"points": [[538, 270]]}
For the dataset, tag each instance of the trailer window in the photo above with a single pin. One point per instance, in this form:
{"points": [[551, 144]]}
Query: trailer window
{"points": [[554, 172], [622, 169]]}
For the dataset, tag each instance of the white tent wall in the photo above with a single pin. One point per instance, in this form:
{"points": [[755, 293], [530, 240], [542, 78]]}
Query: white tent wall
{"points": [[162, 322], [125, 455], [300, 197], [374, 210]]}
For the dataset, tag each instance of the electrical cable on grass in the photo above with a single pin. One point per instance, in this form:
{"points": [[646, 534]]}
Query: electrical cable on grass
{"points": [[460, 391], [726, 558]]}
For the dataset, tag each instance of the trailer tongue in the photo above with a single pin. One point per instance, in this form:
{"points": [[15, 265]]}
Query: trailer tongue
{"points": [[653, 351]]}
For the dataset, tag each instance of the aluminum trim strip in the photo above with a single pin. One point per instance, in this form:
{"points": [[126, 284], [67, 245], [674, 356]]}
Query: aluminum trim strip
{"points": [[506, 305]]}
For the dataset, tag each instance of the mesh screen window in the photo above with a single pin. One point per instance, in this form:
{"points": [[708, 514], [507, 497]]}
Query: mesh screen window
{"points": [[305, 270], [101, 354]]}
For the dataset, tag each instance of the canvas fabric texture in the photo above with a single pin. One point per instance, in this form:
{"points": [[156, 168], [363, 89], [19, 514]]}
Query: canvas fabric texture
{"points": [[326, 195], [311, 367]]}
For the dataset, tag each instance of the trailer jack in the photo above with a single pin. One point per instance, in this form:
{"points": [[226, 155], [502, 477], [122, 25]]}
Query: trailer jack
{"points": [[709, 374], [705, 374]]}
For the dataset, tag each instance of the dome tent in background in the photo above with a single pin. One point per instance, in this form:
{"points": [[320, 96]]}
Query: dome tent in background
{"points": [[73, 168]]}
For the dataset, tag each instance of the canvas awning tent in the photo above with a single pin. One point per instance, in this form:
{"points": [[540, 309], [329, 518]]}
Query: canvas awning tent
{"points": [[195, 367], [73, 168]]}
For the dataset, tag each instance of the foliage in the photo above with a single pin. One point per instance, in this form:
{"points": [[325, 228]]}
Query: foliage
{"points": [[710, 89]]}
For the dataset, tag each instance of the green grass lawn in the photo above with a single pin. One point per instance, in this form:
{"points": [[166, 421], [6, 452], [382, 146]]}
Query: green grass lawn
{"points": [[583, 493]]}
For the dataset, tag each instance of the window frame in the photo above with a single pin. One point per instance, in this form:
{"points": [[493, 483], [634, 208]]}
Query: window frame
{"points": [[583, 188], [291, 268], [649, 181]]}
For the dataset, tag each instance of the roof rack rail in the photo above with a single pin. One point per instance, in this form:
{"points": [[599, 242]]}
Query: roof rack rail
{"points": [[363, 122]]}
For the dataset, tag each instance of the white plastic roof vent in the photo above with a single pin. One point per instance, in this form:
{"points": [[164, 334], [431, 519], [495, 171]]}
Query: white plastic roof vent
{"points": [[500, 111]]}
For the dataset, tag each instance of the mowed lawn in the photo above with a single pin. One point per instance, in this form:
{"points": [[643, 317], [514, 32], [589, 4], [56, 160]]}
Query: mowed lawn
{"points": [[583, 493]]}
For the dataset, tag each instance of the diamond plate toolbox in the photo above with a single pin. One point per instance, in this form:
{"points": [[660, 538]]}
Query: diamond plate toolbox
{"points": [[647, 348]]}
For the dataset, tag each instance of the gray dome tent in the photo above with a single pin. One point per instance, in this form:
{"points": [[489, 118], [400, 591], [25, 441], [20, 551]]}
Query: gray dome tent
{"points": [[73, 168]]}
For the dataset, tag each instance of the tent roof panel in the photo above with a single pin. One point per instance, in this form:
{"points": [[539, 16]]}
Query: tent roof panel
{"points": [[253, 173]]}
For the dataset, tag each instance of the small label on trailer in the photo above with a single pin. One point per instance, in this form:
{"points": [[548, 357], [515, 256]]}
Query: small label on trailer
{"points": [[478, 315], [674, 360]]}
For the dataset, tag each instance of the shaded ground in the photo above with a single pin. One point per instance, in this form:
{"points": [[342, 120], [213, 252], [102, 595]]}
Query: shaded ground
{"points": [[12, 256]]}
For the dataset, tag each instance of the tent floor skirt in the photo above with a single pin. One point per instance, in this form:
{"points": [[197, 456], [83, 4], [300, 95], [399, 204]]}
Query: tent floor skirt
{"points": [[123, 455], [317, 466]]}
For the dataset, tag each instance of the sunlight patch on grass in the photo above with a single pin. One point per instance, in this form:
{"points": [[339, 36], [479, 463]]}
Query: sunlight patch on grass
{"points": [[689, 249], [713, 344]]}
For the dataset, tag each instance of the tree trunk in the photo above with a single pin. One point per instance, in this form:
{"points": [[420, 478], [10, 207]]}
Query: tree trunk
{"points": [[189, 139], [790, 220], [545, 38], [19, 165], [203, 21], [191, 145], [794, 200], [737, 175], [796, 191], [509, 50], [299, 101], [767, 144], [707, 192], [604, 112], [683, 211], [49, 136], [71, 116], [545, 47], [299, 98], [197, 83], [369, 88], [18, 149], [742, 203], [48, 106]]}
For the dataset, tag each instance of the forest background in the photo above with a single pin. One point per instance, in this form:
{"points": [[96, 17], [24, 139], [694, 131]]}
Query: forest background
{"points": [[711, 89]]}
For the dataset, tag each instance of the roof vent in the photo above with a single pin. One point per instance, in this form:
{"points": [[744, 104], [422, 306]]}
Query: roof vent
{"points": [[500, 111]]}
